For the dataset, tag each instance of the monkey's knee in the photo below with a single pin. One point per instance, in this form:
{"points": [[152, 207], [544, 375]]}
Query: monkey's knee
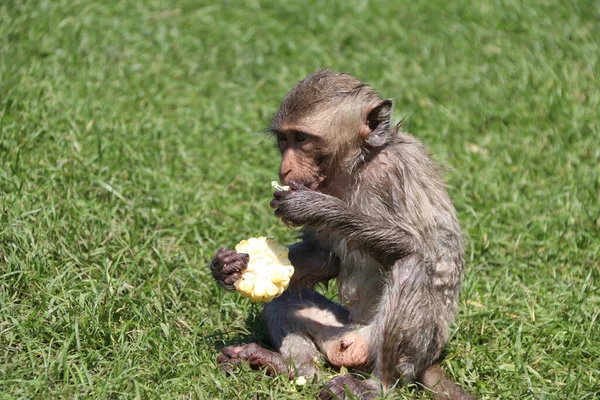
{"points": [[308, 325], [349, 350], [287, 332]]}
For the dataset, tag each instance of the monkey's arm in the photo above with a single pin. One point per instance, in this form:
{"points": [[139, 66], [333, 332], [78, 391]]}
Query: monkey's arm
{"points": [[383, 240], [313, 263]]}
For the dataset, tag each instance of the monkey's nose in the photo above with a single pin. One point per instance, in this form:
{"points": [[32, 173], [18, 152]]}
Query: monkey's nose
{"points": [[283, 176]]}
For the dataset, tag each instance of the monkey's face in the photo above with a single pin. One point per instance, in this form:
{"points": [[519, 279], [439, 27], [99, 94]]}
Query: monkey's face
{"points": [[300, 161], [314, 149], [322, 127]]}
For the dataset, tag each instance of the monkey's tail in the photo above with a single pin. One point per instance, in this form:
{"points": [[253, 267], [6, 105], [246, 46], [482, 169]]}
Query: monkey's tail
{"points": [[442, 387]]}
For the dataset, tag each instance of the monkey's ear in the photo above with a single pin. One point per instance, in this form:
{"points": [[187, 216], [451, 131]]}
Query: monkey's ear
{"points": [[376, 130]]}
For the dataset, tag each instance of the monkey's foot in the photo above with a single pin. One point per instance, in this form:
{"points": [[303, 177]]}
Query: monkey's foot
{"points": [[260, 358], [351, 350], [342, 384], [256, 356]]}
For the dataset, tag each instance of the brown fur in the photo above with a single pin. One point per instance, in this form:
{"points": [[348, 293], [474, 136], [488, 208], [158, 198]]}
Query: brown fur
{"points": [[377, 217]]}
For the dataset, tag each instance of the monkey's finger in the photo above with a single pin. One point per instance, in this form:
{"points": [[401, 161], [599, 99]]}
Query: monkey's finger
{"points": [[219, 255], [281, 194], [279, 214], [231, 351], [225, 364], [232, 279], [294, 185], [222, 358], [235, 258], [275, 203], [285, 218], [233, 268], [224, 252], [227, 367]]}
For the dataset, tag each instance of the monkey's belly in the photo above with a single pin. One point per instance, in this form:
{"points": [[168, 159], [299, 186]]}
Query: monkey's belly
{"points": [[360, 282]]}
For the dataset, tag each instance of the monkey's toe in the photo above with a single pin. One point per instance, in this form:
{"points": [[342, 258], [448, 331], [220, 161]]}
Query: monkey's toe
{"points": [[231, 351], [256, 356], [228, 359], [342, 384]]}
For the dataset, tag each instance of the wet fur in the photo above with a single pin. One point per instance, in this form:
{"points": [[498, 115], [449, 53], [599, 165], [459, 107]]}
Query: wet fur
{"points": [[381, 222]]}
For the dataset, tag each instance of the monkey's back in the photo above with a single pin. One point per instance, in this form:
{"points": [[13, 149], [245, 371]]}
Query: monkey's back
{"points": [[402, 186]]}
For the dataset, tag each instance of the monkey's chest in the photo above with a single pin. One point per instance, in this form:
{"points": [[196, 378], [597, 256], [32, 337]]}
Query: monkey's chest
{"points": [[359, 281]]}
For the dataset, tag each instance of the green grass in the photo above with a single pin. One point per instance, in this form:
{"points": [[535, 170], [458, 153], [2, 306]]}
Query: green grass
{"points": [[131, 148]]}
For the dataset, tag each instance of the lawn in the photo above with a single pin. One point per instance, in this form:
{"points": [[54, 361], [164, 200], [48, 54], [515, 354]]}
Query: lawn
{"points": [[132, 146]]}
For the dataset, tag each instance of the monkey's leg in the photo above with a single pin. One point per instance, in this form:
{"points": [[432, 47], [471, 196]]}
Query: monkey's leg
{"points": [[407, 332], [302, 326], [405, 337], [324, 322], [322, 327], [411, 324], [411, 328]]}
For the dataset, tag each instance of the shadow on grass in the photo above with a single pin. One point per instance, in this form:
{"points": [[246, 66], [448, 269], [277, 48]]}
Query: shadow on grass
{"points": [[254, 325]]}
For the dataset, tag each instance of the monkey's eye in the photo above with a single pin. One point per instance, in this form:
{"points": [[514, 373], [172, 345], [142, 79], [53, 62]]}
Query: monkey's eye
{"points": [[301, 136], [281, 137]]}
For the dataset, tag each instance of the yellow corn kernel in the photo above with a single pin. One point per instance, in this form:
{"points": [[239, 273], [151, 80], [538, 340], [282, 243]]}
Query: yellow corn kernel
{"points": [[277, 186], [245, 285], [269, 269], [301, 381]]}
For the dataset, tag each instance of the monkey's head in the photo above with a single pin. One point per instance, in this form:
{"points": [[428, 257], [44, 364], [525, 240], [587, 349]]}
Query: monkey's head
{"points": [[326, 126]]}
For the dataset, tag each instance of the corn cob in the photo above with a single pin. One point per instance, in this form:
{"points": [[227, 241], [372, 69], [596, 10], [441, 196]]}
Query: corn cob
{"points": [[269, 269]]}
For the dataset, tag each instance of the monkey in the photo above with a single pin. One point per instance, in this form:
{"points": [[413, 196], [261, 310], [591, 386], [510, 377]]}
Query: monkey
{"points": [[376, 216]]}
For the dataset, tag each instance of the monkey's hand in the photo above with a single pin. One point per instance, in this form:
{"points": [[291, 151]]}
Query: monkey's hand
{"points": [[227, 267], [302, 206], [269, 270]]}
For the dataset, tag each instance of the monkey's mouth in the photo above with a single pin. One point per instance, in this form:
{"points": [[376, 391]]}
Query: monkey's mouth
{"points": [[310, 185], [318, 185], [314, 185]]}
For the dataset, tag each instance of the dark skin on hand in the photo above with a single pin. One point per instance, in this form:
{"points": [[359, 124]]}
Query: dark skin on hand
{"points": [[375, 215]]}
